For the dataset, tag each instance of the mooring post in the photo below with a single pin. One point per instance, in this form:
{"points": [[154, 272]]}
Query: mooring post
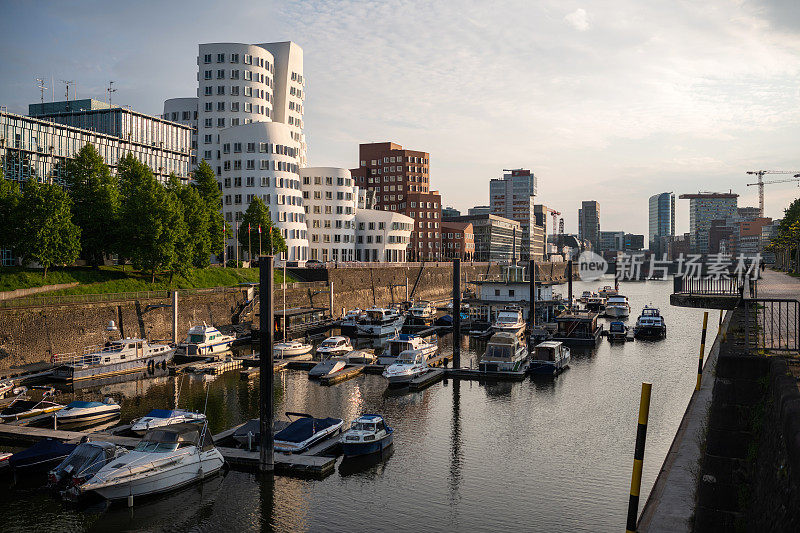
{"points": [[330, 297], [457, 313], [702, 349], [406, 287], [569, 283], [638, 457], [175, 317], [532, 313], [266, 337]]}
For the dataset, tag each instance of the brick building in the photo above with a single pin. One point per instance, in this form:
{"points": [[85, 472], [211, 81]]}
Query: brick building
{"points": [[458, 240]]}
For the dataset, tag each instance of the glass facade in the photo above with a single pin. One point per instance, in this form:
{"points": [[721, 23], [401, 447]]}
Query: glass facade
{"points": [[661, 222]]}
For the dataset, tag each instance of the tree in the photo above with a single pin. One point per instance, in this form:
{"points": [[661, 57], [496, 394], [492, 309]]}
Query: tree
{"points": [[151, 222], [9, 214], [206, 185], [258, 214], [95, 204], [194, 249], [48, 236]]}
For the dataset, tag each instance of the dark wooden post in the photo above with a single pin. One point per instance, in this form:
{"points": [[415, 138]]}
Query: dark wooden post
{"points": [[266, 338], [456, 313], [569, 283]]}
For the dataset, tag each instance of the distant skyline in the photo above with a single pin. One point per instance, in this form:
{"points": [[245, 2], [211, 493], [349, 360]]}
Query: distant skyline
{"points": [[612, 101]]}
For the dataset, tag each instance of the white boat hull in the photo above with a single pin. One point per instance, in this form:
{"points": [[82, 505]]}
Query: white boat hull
{"points": [[292, 352], [397, 379], [427, 352], [380, 330], [618, 312]]}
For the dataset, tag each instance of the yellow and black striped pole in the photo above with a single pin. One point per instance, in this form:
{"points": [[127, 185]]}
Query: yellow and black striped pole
{"points": [[638, 457], [702, 350]]}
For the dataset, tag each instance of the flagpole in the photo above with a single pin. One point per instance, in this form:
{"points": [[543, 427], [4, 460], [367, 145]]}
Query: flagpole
{"points": [[249, 248], [259, 240], [224, 245], [236, 243]]}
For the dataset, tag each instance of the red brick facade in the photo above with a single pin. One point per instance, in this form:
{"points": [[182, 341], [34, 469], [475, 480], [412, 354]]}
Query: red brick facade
{"points": [[458, 240]]}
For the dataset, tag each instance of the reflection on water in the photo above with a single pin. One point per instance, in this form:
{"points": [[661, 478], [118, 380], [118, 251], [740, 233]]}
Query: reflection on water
{"points": [[550, 453]]}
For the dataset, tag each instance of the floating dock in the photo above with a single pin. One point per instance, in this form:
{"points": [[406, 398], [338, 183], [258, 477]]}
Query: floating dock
{"points": [[349, 372], [474, 373], [214, 367], [426, 380]]}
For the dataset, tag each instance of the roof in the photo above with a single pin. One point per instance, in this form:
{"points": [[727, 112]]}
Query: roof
{"points": [[371, 418], [707, 195], [549, 344], [504, 337]]}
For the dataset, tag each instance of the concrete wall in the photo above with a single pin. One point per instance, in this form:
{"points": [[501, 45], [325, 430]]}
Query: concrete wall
{"points": [[19, 293]]}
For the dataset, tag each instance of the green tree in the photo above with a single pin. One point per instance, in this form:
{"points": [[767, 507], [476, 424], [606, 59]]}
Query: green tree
{"points": [[258, 214], [9, 212], [95, 203], [194, 249], [152, 224], [206, 185], [47, 236]]}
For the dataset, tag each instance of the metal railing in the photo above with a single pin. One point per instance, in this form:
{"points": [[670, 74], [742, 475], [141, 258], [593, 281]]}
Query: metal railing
{"points": [[771, 325], [714, 286], [66, 299]]}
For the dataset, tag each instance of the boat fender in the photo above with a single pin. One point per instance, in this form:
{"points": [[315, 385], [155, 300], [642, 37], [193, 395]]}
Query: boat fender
{"points": [[163, 365], [151, 366]]}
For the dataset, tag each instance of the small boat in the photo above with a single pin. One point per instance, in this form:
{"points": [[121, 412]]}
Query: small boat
{"points": [[79, 412], [350, 320], [166, 459], [509, 319], [40, 457], [291, 349], [25, 408], [4, 457], [608, 291], [617, 331], [205, 340], [402, 342], [585, 296], [305, 432], [6, 386], [124, 356], [421, 312], [650, 324], [333, 346], [618, 306], [595, 303], [380, 321], [505, 352], [549, 357], [329, 366], [159, 418], [409, 364], [360, 357], [83, 463], [368, 434]]}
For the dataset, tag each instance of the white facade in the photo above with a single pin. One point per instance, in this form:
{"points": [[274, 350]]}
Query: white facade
{"points": [[382, 236], [261, 159], [330, 202], [184, 111]]}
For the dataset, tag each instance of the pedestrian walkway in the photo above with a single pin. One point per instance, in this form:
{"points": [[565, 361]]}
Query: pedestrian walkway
{"points": [[777, 322]]}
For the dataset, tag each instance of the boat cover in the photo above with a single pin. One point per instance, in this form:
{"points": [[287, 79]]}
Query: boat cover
{"points": [[42, 451], [84, 405], [87, 458], [183, 433], [162, 413], [305, 428]]}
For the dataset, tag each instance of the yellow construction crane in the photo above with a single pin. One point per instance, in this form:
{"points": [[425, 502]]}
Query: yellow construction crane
{"points": [[761, 183]]}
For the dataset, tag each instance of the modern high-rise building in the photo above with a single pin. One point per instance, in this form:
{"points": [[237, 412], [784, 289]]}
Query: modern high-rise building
{"points": [[661, 222], [450, 212], [704, 208], [512, 197], [496, 238], [479, 210], [589, 223]]}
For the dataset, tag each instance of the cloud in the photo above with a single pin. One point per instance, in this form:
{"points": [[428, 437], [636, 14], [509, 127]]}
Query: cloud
{"points": [[578, 19]]}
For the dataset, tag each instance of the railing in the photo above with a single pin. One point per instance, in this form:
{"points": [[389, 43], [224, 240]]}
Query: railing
{"points": [[65, 299], [771, 325], [713, 286]]}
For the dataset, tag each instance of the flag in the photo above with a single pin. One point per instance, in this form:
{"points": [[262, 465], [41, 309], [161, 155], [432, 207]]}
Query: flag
{"points": [[248, 227], [259, 229]]}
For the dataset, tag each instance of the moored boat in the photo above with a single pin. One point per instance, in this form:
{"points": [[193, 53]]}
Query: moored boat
{"points": [[617, 306], [509, 319], [81, 412], [549, 357], [205, 340], [505, 352], [650, 324], [159, 418], [421, 313], [304, 432], [334, 346], [291, 349], [578, 328], [409, 364], [617, 331], [402, 342], [6, 386], [380, 321], [608, 291], [368, 434], [329, 366], [25, 408], [40, 457], [350, 320], [83, 463], [595, 303], [124, 356]]}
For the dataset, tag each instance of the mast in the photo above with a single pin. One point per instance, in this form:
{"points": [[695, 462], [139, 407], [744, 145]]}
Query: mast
{"points": [[284, 300]]}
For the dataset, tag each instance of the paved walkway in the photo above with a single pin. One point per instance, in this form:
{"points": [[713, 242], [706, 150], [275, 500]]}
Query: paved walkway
{"points": [[779, 321]]}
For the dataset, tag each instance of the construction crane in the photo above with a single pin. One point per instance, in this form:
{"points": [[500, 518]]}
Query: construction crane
{"points": [[555, 215], [761, 183]]}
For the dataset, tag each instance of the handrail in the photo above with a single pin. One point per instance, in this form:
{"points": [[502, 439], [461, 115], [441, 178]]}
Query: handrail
{"points": [[36, 301]]}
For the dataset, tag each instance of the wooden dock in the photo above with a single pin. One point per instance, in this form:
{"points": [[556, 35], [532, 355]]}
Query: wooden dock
{"points": [[291, 464], [215, 367], [474, 373], [426, 380], [349, 372]]}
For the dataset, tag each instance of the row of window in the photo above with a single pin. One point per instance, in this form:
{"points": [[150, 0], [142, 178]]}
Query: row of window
{"points": [[184, 115], [340, 210], [246, 107], [280, 199], [328, 195], [247, 59], [281, 166], [341, 182], [247, 75], [208, 90], [397, 159]]}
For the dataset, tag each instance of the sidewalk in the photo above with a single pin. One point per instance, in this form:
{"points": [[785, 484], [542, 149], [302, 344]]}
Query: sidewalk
{"points": [[778, 285], [778, 322]]}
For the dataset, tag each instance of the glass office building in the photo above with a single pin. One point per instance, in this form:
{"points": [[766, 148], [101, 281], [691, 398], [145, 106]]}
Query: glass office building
{"points": [[661, 222]]}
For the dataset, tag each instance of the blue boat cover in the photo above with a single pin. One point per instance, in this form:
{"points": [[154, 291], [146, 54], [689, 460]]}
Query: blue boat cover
{"points": [[82, 405], [161, 413], [304, 428], [43, 450], [406, 336]]}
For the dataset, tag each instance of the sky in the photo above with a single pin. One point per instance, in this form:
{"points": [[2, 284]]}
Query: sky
{"points": [[612, 100]]}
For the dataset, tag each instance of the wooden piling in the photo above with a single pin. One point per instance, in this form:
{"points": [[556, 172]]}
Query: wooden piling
{"points": [[638, 457], [702, 350], [569, 283], [457, 313], [267, 336]]}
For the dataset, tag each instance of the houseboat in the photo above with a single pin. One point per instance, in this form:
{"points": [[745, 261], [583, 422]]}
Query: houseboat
{"points": [[205, 340], [549, 357], [402, 342], [578, 328], [509, 319], [617, 307], [650, 324], [379, 322], [505, 352], [124, 356]]}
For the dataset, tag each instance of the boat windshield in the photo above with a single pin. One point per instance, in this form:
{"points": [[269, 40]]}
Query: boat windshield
{"points": [[157, 447], [196, 338], [360, 426], [330, 343], [497, 352], [545, 354]]}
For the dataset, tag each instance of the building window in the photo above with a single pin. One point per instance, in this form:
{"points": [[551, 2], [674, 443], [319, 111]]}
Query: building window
{"points": [[220, 74], [207, 75], [207, 58]]}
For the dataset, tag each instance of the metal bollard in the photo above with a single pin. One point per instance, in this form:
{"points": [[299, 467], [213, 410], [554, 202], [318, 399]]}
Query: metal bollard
{"points": [[638, 457], [702, 349]]}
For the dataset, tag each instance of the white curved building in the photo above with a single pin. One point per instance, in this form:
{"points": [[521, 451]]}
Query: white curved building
{"points": [[330, 202], [262, 159], [183, 111], [382, 236]]}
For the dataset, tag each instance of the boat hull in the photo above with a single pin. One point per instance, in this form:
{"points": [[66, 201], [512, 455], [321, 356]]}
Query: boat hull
{"points": [[96, 416], [148, 365], [403, 379], [617, 312], [650, 332], [380, 330], [356, 449]]}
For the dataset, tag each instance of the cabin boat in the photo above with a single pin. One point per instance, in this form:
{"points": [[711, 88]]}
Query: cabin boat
{"points": [[360, 357], [617, 306], [421, 313], [40, 457], [505, 352], [124, 356], [402, 342], [291, 349], [25, 408], [584, 298], [608, 291], [578, 328], [350, 320], [334, 346], [205, 340], [650, 324], [167, 458], [329, 366], [6, 386], [79, 412], [549, 357], [368, 434], [159, 418], [83, 463], [408, 365], [595, 303], [509, 319], [617, 331], [304, 432], [380, 321]]}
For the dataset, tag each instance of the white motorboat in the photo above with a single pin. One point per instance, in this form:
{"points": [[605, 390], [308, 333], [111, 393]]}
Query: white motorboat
{"points": [[84, 412], [505, 352], [509, 319], [402, 342], [618, 306], [83, 463], [329, 366], [166, 459], [380, 321], [549, 357], [367, 434], [26, 408], [304, 432], [205, 340], [650, 324], [421, 312], [291, 349], [409, 364], [159, 418], [360, 357], [6, 386], [334, 346], [124, 356], [350, 320], [607, 291]]}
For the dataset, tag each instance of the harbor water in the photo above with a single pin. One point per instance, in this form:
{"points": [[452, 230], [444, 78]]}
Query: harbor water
{"points": [[548, 454]]}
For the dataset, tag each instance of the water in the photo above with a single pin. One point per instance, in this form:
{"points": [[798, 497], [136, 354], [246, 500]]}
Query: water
{"points": [[551, 454]]}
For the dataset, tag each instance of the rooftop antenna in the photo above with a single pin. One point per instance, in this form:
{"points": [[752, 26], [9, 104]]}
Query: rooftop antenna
{"points": [[67, 83], [41, 87], [109, 91]]}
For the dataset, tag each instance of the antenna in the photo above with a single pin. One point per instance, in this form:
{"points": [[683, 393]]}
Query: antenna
{"points": [[41, 87], [109, 91], [67, 83]]}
